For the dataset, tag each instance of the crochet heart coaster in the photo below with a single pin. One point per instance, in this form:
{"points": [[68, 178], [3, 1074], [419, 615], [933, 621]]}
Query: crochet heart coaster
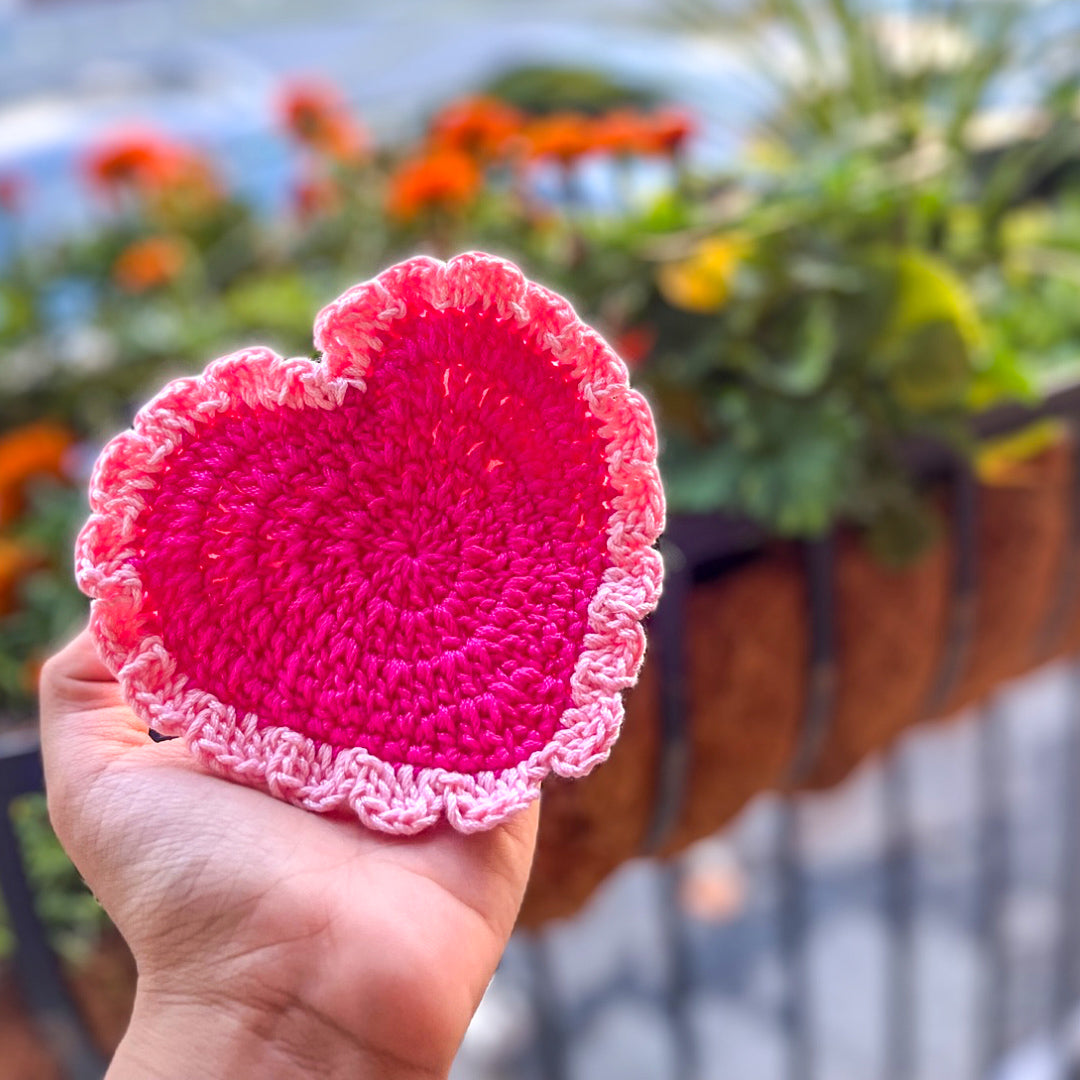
{"points": [[407, 580]]}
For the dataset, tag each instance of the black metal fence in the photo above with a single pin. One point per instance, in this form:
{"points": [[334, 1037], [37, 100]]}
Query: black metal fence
{"points": [[946, 944], [37, 967]]}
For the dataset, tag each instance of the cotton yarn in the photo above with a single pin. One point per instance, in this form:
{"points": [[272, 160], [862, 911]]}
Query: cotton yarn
{"points": [[405, 580]]}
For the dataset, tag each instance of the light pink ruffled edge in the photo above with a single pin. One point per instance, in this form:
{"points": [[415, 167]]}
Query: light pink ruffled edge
{"points": [[394, 798]]}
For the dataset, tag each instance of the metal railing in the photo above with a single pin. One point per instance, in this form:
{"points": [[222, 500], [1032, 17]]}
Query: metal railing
{"points": [[1014, 931], [37, 967]]}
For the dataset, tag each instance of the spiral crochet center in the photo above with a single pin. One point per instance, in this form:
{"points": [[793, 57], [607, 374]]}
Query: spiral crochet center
{"points": [[409, 572]]}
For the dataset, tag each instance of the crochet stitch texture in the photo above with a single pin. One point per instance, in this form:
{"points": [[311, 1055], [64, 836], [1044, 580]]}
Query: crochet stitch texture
{"points": [[408, 579]]}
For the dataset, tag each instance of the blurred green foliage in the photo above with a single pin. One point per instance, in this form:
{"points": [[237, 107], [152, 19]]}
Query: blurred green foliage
{"points": [[72, 917], [542, 88]]}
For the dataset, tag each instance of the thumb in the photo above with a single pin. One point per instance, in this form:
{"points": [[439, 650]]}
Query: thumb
{"points": [[85, 723]]}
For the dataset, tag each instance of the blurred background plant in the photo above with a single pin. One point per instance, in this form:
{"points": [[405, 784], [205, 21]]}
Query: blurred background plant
{"points": [[897, 249]]}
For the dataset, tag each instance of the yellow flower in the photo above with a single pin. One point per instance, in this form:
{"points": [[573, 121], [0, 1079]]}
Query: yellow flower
{"points": [[702, 283]]}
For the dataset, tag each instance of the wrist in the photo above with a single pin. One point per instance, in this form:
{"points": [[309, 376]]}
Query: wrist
{"points": [[172, 1037]]}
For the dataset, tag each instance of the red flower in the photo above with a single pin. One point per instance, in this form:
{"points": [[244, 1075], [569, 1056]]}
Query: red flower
{"points": [[155, 167], [133, 158], [481, 126], [315, 196], [125, 158], [635, 343], [440, 180], [317, 116], [667, 131], [12, 189]]}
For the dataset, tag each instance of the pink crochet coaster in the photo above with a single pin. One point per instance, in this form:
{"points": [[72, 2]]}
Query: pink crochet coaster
{"points": [[408, 579]]}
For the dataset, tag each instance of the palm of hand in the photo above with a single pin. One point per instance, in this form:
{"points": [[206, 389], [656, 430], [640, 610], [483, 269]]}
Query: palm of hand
{"points": [[226, 893]]}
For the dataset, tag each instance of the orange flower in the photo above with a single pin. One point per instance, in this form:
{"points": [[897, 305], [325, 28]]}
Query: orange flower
{"points": [[315, 196], [667, 131], [15, 560], [188, 185], [563, 136], [149, 264], [317, 116], [441, 180], [36, 449], [481, 126], [623, 133]]}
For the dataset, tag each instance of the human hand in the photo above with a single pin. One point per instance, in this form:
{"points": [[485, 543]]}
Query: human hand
{"points": [[270, 941]]}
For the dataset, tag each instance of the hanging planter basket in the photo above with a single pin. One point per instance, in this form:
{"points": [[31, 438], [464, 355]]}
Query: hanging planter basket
{"points": [[782, 666]]}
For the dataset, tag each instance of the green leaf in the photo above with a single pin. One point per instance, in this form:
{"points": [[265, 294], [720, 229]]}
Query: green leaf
{"points": [[17, 311], [1004, 377], [929, 291], [930, 368], [283, 302], [785, 463], [700, 482], [807, 367]]}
